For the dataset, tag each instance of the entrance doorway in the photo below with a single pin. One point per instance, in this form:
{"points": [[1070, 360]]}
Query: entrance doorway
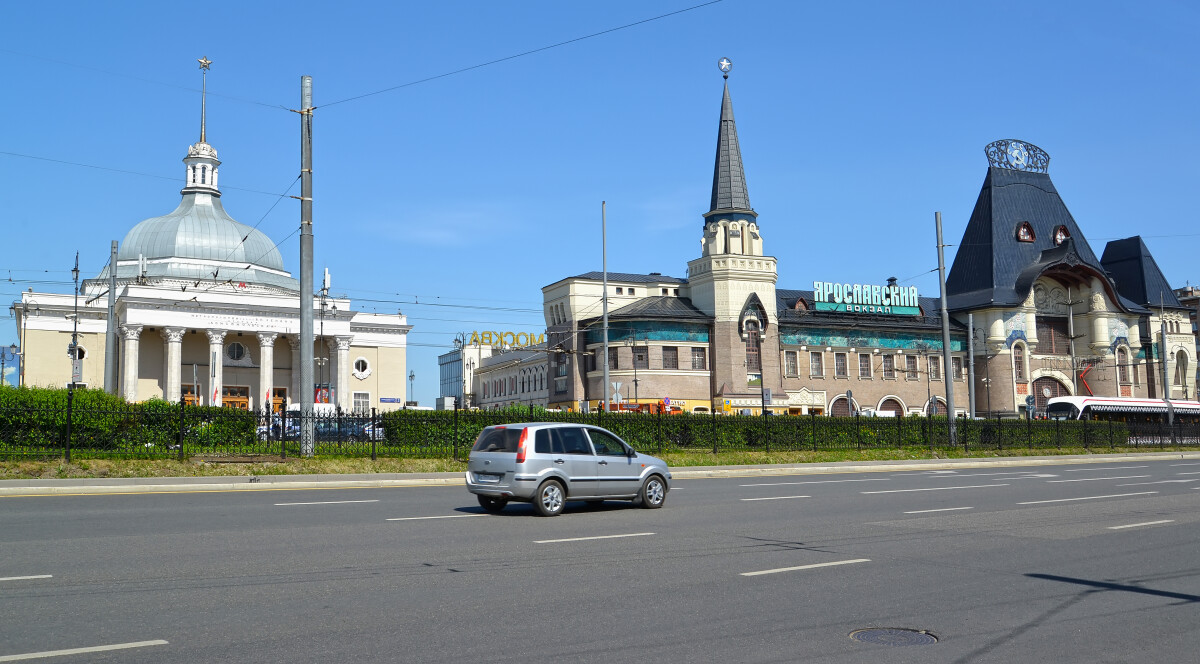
{"points": [[188, 394], [1045, 389], [235, 396], [278, 399]]}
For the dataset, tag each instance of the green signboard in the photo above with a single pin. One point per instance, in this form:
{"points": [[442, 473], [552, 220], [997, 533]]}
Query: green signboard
{"points": [[866, 298]]}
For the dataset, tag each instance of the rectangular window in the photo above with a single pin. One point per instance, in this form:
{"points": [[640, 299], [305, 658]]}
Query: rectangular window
{"points": [[1052, 335], [612, 358], [864, 365], [670, 357], [910, 367], [956, 363], [1018, 352], [362, 402], [591, 360], [641, 357], [839, 365], [699, 359], [791, 364], [889, 366], [935, 367], [560, 385], [816, 365], [620, 291]]}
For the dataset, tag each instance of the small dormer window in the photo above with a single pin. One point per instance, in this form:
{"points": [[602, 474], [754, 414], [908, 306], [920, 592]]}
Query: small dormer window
{"points": [[620, 291], [1061, 235], [193, 175], [1025, 232], [204, 175], [631, 291]]}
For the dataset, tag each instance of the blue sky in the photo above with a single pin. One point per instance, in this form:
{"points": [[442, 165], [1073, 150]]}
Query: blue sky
{"points": [[857, 121]]}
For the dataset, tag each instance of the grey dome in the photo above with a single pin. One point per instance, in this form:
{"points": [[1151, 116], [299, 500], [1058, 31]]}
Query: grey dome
{"points": [[199, 237]]}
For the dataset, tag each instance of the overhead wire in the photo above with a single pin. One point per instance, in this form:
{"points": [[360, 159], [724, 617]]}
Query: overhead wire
{"points": [[520, 55]]}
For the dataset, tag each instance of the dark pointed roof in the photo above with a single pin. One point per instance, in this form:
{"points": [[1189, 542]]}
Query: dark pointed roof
{"points": [[729, 193], [1138, 277], [660, 307], [992, 267]]}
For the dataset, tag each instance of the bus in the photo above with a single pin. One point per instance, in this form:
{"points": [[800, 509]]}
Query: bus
{"points": [[1132, 411]]}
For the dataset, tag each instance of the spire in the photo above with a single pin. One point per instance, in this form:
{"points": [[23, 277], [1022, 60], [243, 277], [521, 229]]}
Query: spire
{"points": [[204, 64], [729, 193], [201, 163]]}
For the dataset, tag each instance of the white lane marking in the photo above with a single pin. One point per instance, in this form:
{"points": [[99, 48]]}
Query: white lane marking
{"points": [[422, 518], [774, 498], [944, 509], [800, 567], [1092, 470], [596, 537], [1185, 464], [1097, 479], [939, 488], [79, 651], [1066, 500], [22, 578], [1187, 473], [875, 479], [1158, 482], [1148, 523], [1019, 472], [328, 502]]}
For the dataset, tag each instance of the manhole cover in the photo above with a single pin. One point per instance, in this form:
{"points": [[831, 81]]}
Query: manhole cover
{"points": [[894, 636]]}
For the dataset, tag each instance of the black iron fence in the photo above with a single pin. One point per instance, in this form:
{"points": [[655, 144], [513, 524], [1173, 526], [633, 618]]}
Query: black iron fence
{"points": [[164, 430]]}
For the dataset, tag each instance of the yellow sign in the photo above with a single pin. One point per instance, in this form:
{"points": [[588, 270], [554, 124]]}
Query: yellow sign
{"points": [[514, 339], [728, 406]]}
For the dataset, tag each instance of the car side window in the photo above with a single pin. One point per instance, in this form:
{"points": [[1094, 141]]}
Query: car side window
{"points": [[573, 441], [605, 443], [543, 443]]}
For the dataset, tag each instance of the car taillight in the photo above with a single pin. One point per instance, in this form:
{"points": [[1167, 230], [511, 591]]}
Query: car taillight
{"points": [[521, 449]]}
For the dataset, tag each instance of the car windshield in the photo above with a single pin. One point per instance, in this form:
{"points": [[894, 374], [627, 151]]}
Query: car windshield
{"points": [[1062, 411], [497, 439]]}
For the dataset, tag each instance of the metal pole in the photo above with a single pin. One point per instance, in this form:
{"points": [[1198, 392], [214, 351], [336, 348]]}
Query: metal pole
{"points": [[945, 331], [971, 362], [1071, 343], [604, 293], [1163, 358], [110, 335], [306, 269]]}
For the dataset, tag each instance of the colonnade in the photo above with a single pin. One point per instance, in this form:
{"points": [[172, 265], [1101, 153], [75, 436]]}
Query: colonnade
{"points": [[339, 369]]}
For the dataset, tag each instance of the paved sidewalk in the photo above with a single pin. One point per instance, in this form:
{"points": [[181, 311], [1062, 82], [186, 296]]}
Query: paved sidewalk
{"points": [[125, 485]]}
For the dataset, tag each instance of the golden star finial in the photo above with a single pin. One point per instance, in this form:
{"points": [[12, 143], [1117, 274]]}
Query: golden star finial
{"points": [[204, 62]]}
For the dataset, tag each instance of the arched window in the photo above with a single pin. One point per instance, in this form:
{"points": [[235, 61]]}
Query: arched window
{"points": [[1018, 361], [203, 174], [193, 175], [753, 354], [1122, 365]]}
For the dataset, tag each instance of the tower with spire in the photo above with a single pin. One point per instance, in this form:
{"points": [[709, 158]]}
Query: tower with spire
{"points": [[201, 161], [733, 281]]}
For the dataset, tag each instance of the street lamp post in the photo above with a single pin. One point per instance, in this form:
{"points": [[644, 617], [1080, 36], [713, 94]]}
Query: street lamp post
{"points": [[4, 353], [321, 362], [412, 375]]}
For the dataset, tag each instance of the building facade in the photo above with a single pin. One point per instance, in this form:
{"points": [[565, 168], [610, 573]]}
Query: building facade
{"points": [[727, 338], [206, 313]]}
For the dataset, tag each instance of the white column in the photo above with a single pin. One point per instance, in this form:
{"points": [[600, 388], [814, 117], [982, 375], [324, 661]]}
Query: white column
{"points": [[294, 342], [343, 373], [216, 361], [131, 335], [174, 356], [266, 366]]}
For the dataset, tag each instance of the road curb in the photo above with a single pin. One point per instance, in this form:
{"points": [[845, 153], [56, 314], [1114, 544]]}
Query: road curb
{"points": [[19, 488]]}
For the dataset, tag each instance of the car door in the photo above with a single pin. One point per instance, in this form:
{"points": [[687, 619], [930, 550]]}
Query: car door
{"points": [[576, 460], [616, 470]]}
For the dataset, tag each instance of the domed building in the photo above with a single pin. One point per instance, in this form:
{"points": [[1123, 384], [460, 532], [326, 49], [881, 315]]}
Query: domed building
{"points": [[205, 312]]}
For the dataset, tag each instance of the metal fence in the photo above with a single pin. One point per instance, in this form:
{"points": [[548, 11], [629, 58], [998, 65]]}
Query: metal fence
{"points": [[163, 430]]}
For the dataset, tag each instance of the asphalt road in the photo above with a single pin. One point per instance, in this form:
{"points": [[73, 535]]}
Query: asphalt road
{"points": [[1070, 563]]}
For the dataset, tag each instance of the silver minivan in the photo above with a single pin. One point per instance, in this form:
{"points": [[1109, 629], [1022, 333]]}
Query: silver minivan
{"points": [[549, 463]]}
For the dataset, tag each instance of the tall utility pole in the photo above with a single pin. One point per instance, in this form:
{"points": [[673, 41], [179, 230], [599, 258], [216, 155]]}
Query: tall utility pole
{"points": [[604, 293], [937, 217], [970, 362], [306, 269], [110, 335]]}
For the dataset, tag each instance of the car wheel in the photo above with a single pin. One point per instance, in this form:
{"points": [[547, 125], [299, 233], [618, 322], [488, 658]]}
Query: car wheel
{"points": [[550, 498], [653, 493], [492, 504]]}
